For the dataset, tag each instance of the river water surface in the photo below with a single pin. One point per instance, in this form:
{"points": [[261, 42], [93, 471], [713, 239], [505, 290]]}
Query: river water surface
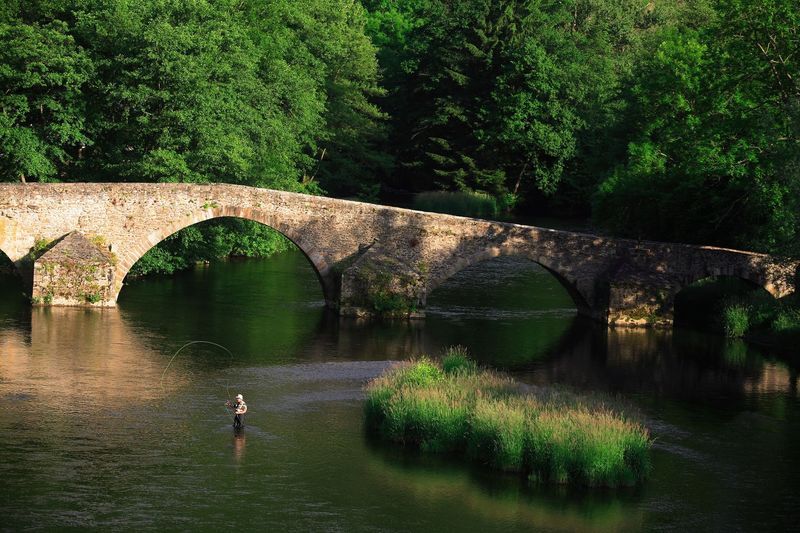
{"points": [[102, 425]]}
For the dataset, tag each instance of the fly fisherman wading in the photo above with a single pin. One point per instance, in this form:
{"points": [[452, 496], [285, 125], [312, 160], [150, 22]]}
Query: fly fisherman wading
{"points": [[239, 409]]}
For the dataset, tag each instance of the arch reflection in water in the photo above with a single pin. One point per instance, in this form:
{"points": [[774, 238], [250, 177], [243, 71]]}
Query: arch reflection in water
{"points": [[680, 364], [528, 309], [262, 311], [272, 311]]}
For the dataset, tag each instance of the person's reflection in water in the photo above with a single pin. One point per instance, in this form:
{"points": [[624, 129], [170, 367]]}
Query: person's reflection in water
{"points": [[238, 444]]}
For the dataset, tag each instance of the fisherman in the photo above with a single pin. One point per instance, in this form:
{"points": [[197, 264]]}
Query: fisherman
{"points": [[239, 409]]}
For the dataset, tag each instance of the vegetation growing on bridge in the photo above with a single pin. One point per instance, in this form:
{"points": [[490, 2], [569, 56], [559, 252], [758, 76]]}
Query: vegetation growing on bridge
{"points": [[548, 436]]}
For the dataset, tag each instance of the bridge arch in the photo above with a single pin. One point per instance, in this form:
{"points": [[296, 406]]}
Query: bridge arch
{"points": [[745, 274], [700, 303], [130, 253], [7, 266], [8, 231], [570, 285]]}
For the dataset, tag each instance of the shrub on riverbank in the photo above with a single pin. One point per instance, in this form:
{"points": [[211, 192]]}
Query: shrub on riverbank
{"points": [[549, 436], [764, 319], [463, 203], [735, 320], [738, 309]]}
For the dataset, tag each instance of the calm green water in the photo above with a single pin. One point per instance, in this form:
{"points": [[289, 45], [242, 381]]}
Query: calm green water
{"points": [[101, 427]]}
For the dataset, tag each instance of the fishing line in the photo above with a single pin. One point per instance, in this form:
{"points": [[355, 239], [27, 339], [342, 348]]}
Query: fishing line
{"points": [[190, 343]]}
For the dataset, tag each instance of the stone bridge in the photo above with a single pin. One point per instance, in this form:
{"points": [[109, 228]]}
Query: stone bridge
{"points": [[75, 243]]}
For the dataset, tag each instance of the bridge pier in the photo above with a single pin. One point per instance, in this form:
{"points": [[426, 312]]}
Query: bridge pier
{"points": [[74, 272], [641, 301], [380, 284]]}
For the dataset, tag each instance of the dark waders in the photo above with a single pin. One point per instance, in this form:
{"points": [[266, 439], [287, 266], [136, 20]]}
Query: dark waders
{"points": [[238, 421]]}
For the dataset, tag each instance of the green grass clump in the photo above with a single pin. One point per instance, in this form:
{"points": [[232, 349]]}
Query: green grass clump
{"points": [[735, 320], [456, 360], [421, 373], [498, 433], [547, 436], [786, 320], [416, 406], [587, 446]]}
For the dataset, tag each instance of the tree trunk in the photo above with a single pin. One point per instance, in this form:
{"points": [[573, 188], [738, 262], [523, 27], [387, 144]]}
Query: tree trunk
{"points": [[519, 178]]}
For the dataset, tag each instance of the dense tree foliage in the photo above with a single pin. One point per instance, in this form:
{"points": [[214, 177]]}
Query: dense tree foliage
{"points": [[248, 92], [715, 134], [673, 120], [510, 96], [669, 119], [43, 119], [268, 93]]}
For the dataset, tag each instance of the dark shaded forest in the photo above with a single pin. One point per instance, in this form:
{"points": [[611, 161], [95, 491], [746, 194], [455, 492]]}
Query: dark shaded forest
{"points": [[674, 120]]}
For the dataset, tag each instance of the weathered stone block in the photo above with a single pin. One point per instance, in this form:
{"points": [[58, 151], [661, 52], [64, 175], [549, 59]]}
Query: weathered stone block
{"points": [[76, 271]]}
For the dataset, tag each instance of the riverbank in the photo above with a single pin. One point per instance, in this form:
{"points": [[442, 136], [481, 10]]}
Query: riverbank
{"points": [[547, 436]]}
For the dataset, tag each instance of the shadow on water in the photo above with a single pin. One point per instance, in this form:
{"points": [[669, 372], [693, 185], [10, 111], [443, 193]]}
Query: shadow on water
{"points": [[15, 307]]}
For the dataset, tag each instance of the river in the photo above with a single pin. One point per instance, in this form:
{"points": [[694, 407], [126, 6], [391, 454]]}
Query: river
{"points": [[102, 425]]}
